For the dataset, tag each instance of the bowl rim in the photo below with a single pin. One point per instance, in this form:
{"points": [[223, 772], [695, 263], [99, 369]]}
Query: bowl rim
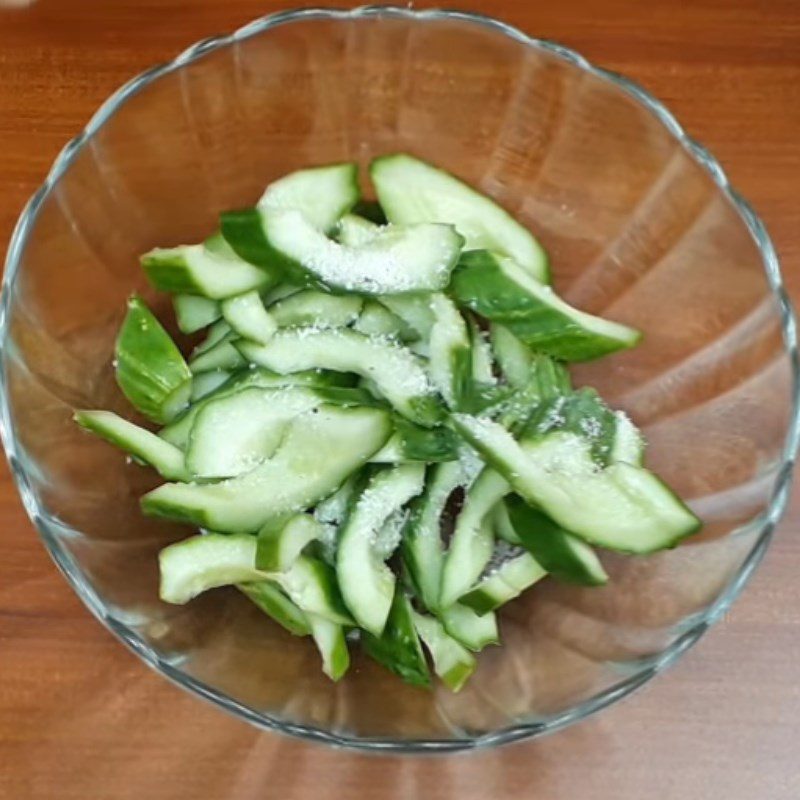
{"points": [[50, 528]]}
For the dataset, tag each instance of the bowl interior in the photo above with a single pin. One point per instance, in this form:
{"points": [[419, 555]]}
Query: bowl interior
{"points": [[637, 231]]}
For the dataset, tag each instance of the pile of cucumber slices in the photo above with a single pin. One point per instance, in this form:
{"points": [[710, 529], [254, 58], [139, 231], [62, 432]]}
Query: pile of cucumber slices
{"points": [[377, 437]]}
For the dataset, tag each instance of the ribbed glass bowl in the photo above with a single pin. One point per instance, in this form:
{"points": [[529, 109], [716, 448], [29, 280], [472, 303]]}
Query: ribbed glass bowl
{"points": [[641, 225]]}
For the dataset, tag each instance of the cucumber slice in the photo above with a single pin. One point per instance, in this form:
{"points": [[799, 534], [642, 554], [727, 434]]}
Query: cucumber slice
{"points": [[222, 356], [195, 313], [563, 555], [332, 645], [421, 545], [323, 194], [280, 545], [205, 383], [276, 605], [199, 563], [475, 631], [621, 507], [398, 373], [280, 292], [247, 316], [320, 450], [452, 662], [150, 369], [196, 269], [417, 258], [178, 432], [355, 231], [398, 648], [414, 309], [335, 508], [411, 191], [512, 356], [503, 529], [316, 309], [482, 359], [450, 364], [582, 413], [415, 443], [510, 573], [498, 288], [234, 434], [311, 585], [377, 320], [548, 382], [628, 444], [472, 543], [332, 512], [146, 446], [367, 584], [218, 332]]}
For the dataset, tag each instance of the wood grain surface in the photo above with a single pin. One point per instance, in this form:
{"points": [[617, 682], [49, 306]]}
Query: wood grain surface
{"points": [[82, 719]]}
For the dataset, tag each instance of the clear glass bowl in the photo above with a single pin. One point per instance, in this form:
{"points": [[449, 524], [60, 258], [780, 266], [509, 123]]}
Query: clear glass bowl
{"points": [[642, 226]]}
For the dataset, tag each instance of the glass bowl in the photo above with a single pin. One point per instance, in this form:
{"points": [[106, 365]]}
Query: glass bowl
{"points": [[641, 225]]}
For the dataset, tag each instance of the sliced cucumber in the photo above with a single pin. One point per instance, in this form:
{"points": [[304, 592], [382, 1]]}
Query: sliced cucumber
{"points": [[236, 433], [196, 269], [205, 383], [503, 529], [422, 542], [450, 364], [178, 431], [195, 313], [222, 356], [482, 359], [498, 288], [320, 450], [146, 446], [280, 545], [473, 538], [621, 507], [410, 191], [316, 309], [355, 231], [280, 292], [398, 648], [548, 383], [397, 372], [563, 555], [475, 631], [323, 194], [247, 316], [333, 510], [416, 258], [628, 444], [366, 582], [150, 369], [377, 320], [414, 309], [271, 599], [452, 662], [311, 584], [332, 645], [513, 356], [514, 572], [582, 413], [415, 443], [199, 563], [218, 332]]}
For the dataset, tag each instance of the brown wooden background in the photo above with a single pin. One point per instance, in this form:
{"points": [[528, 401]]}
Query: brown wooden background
{"points": [[82, 719]]}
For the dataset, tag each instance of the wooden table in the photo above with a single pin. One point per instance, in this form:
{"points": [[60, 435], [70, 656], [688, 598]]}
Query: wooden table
{"points": [[82, 719]]}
